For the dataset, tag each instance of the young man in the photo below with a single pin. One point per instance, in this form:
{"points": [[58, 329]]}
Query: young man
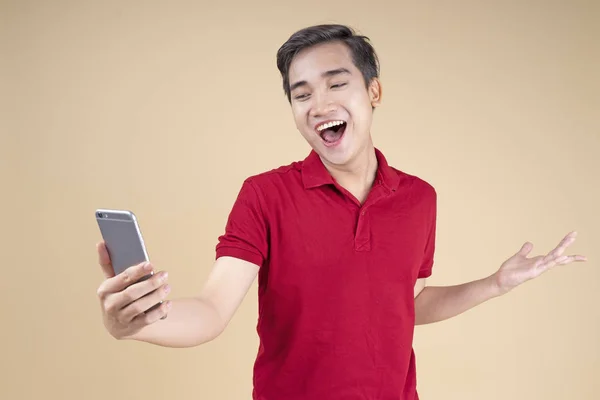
{"points": [[341, 243]]}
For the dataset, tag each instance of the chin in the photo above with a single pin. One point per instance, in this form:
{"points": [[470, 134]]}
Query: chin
{"points": [[338, 154]]}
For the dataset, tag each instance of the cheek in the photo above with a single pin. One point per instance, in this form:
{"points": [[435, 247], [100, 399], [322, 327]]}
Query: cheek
{"points": [[297, 117], [360, 108], [300, 116]]}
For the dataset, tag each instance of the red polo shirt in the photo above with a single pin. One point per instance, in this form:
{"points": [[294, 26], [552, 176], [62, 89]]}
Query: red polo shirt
{"points": [[336, 280]]}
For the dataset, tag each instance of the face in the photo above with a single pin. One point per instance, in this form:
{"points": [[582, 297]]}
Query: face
{"points": [[332, 107]]}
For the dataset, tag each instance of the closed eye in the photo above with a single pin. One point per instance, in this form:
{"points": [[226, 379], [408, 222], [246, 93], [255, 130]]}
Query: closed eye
{"points": [[301, 97], [338, 85]]}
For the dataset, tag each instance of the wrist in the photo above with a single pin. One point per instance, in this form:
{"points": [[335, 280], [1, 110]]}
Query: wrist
{"points": [[495, 289]]}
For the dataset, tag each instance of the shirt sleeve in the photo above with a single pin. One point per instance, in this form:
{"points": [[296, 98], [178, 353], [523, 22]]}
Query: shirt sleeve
{"points": [[428, 256], [246, 230]]}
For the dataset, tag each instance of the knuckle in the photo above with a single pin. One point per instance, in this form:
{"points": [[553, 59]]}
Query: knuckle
{"points": [[147, 319], [126, 276], [164, 291], [122, 320], [159, 279], [138, 308], [101, 292], [128, 295], [132, 272], [110, 308]]}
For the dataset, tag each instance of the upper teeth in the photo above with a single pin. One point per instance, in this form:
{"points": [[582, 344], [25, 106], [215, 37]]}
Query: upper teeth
{"points": [[329, 125]]}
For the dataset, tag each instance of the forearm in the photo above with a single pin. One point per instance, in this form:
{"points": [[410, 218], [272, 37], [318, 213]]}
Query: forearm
{"points": [[190, 322], [436, 304]]}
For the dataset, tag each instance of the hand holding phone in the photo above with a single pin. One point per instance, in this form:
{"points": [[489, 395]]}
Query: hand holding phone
{"points": [[124, 298], [132, 294]]}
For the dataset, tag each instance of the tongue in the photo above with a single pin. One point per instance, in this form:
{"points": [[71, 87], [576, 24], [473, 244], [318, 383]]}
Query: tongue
{"points": [[329, 135]]}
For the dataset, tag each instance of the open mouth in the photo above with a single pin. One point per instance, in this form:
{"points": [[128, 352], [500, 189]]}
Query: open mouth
{"points": [[332, 131]]}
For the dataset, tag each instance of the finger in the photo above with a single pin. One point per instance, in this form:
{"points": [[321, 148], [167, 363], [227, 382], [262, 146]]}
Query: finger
{"points": [[153, 316], [569, 259], [140, 289], [552, 260], [104, 260], [560, 249], [525, 249], [145, 303], [549, 258], [126, 278], [564, 243], [134, 292], [563, 260]]}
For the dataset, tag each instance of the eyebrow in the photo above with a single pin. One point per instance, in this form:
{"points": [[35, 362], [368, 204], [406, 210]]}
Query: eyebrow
{"points": [[325, 74]]}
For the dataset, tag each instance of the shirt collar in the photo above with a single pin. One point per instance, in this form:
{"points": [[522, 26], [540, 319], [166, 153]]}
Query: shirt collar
{"points": [[314, 173]]}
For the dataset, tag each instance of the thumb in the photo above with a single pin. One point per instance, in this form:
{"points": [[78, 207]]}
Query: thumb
{"points": [[525, 249], [104, 260]]}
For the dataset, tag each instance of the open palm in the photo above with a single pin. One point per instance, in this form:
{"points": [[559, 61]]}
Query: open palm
{"points": [[519, 268]]}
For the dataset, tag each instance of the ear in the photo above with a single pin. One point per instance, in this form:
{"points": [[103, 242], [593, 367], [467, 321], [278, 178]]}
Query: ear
{"points": [[375, 92]]}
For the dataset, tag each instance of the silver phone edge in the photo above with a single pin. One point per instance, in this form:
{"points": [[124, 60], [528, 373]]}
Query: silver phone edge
{"points": [[134, 219]]}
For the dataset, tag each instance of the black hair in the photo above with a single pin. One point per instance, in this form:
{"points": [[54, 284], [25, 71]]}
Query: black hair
{"points": [[363, 53]]}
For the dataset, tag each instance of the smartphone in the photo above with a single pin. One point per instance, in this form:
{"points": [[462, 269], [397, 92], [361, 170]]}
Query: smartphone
{"points": [[124, 242]]}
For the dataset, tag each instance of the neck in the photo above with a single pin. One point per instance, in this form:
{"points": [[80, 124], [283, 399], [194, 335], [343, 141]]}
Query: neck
{"points": [[359, 174]]}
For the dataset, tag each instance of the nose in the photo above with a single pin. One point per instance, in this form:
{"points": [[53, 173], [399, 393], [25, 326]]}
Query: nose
{"points": [[322, 105]]}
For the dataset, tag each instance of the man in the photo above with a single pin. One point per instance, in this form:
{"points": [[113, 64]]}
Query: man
{"points": [[341, 242]]}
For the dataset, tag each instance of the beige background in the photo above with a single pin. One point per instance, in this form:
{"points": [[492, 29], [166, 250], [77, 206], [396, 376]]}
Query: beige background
{"points": [[155, 106]]}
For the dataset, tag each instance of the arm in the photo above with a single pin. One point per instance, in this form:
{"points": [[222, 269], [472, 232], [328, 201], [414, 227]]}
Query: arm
{"points": [[196, 320], [187, 321], [433, 304]]}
